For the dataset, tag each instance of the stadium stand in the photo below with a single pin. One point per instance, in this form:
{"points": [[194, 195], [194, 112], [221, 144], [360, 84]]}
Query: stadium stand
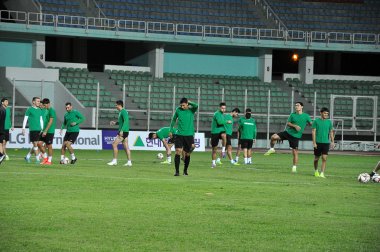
{"points": [[83, 85], [213, 89], [220, 12], [343, 16], [61, 7], [342, 107]]}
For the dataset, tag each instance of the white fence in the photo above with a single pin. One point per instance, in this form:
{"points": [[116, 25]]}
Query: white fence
{"points": [[205, 31]]}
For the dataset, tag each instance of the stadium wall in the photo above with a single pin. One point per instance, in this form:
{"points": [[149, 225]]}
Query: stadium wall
{"points": [[210, 64], [16, 53]]}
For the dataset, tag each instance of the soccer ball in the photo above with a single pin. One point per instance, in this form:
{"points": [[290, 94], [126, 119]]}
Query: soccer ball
{"points": [[364, 178], [65, 161], [160, 156], [376, 178]]}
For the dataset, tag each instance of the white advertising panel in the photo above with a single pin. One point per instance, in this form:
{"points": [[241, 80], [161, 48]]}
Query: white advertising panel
{"points": [[138, 140], [87, 139]]}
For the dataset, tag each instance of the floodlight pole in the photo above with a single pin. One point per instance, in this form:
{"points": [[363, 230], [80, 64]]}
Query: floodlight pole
{"points": [[97, 106], [148, 121], [199, 100], [14, 101], [268, 119]]}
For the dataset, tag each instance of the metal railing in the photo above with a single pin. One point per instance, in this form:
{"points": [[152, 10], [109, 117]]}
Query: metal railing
{"points": [[204, 31]]}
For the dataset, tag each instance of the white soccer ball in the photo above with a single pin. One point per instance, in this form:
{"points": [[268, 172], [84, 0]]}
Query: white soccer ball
{"points": [[364, 178], [376, 178], [65, 161], [160, 156]]}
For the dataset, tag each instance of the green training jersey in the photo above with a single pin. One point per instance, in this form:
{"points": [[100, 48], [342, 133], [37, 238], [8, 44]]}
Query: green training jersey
{"points": [[323, 128], [185, 120], [163, 133], [44, 114], [300, 120], [229, 126], [123, 120], [73, 116], [34, 116], [247, 128], [8, 119], [218, 123], [50, 113]]}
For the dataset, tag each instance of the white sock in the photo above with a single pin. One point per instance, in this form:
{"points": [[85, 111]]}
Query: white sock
{"points": [[45, 155], [223, 149], [245, 160], [28, 155], [271, 149], [249, 160], [294, 167], [114, 160], [213, 162], [169, 159], [50, 158], [218, 159], [72, 156], [38, 157], [62, 157], [232, 161], [129, 161], [237, 158]]}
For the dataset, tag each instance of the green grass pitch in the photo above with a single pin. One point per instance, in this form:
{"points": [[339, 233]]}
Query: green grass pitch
{"points": [[90, 206]]}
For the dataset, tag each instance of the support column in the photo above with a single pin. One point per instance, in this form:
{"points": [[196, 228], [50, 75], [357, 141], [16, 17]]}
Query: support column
{"points": [[265, 66], [156, 62], [38, 54], [306, 68]]}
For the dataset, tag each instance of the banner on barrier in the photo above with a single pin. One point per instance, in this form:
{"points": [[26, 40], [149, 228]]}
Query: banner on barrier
{"points": [[138, 140], [87, 139], [101, 139]]}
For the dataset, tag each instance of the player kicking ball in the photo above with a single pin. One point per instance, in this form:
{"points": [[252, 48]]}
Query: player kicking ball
{"points": [[296, 124], [163, 135]]}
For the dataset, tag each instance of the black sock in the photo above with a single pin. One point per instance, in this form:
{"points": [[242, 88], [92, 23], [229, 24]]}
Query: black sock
{"points": [[187, 162], [177, 161]]}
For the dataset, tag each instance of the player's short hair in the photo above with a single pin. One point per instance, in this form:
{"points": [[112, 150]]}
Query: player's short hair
{"points": [[324, 109], [35, 98], [236, 110], [248, 113], [45, 101], [4, 99], [300, 103], [150, 136], [183, 100], [119, 102], [68, 103], [222, 104]]}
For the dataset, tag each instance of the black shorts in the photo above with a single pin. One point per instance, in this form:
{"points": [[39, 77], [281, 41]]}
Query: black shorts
{"points": [[322, 149], [184, 142], [125, 135], [293, 142], [215, 139], [246, 143], [48, 138], [71, 137], [34, 136], [228, 142], [7, 134], [2, 137]]}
